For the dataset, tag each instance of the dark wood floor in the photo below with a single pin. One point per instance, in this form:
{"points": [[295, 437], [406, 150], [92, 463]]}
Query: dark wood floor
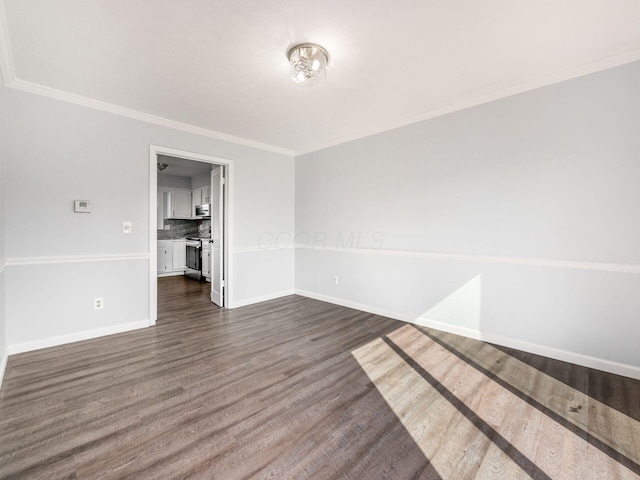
{"points": [[297, 388]]}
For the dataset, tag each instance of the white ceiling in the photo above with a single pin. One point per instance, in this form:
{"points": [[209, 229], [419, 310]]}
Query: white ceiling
{"points": [[182, 167], [220, 67]]}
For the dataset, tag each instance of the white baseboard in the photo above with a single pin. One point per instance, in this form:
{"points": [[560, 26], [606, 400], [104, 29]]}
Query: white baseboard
{"points": [[537, 349], [545, 351], [355, 306], [171, 274], [262, 298], [3, 365], [75, 337]]}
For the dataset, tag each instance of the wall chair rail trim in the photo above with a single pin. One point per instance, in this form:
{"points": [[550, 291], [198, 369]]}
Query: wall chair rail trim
{"points": [[526, 261], [46, 260]]}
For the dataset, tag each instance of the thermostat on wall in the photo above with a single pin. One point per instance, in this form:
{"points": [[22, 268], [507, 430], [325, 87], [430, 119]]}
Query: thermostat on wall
{"points": [[82, 206]]}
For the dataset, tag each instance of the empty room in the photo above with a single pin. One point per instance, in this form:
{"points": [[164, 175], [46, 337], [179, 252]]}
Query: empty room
{"points": [[319, 240]]}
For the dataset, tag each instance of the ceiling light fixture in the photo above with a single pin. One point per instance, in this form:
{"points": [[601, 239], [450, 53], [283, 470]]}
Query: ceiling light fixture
{"points": [[162, 166], [308, 63]]}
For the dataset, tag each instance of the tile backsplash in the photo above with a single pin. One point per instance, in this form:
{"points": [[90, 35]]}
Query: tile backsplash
{"points": [[185, 228], [204, 228]]}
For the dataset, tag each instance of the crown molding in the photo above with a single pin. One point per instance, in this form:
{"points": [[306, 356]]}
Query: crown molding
{"points": [[141, 116], [568, 74], [11, 81], [8, 74]]}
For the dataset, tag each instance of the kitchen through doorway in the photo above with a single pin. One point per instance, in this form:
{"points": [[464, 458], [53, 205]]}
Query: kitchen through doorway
{"points": [[190, 222]]}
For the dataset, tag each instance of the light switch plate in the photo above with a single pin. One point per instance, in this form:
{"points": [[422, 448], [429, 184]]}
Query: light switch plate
{"points": [[127, 227]]}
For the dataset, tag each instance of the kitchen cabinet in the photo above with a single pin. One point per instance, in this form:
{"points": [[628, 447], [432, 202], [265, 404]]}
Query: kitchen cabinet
{"points": [[200, 196], [181, 203], [173, 203], [164, 206], [179, 255], [172, 259], [165, 256], [196, 199]]}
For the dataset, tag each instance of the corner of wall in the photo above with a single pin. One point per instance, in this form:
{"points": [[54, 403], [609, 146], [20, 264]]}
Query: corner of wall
{"points": [[3, 323], [502, 192]]}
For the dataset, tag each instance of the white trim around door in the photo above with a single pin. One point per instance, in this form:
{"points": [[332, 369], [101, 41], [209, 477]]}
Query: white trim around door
{"points": [[154, 151]]}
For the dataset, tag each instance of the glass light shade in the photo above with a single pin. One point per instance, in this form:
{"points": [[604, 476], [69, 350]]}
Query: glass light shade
{"points": [[308, 63]]}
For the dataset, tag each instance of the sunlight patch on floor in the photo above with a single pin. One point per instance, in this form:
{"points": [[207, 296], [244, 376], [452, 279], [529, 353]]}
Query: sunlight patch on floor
{"points": [[454, 440], [620, 432]]}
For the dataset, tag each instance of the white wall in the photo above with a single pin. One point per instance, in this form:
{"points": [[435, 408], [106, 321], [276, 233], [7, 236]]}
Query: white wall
{"points": [[173, 181], [515, 220], [58, 261], [202, 180]]}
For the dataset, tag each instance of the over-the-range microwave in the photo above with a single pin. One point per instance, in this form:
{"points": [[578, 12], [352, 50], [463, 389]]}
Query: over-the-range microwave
{"points": [[203, 210]]}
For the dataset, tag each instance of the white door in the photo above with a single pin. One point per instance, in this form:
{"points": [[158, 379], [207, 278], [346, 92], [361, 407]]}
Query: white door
{"points": [[217, 235]]}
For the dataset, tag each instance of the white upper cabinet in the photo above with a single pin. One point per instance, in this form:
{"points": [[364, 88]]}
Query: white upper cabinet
{"points": [[177, 199], [173, 203], [181, 203], [206, 194], [198, 197], [164, 206]]}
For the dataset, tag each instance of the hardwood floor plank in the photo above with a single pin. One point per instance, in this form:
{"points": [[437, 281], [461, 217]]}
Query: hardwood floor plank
{"points": [[298, 388], [563, 403]]}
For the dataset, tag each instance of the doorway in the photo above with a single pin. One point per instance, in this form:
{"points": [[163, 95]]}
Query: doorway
{"points": [[221, 177]]}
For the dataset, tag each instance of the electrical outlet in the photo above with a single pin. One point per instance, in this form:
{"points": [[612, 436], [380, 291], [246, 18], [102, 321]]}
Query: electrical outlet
{"points": [[98, 303], [335, 279], [167, 226]]}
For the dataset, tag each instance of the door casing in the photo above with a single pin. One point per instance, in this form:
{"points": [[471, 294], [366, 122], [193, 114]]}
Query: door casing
{"points": [[154, 151]]}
